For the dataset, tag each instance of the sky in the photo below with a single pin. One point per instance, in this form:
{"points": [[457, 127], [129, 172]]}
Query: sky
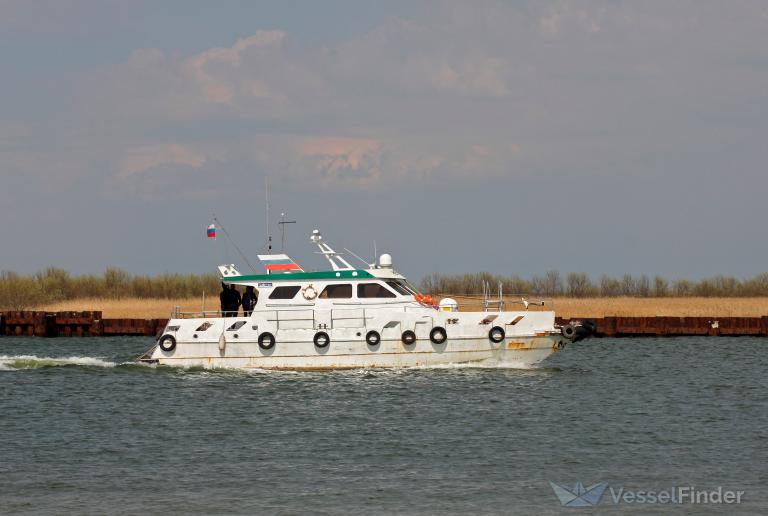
{"points": [[511, 137]]}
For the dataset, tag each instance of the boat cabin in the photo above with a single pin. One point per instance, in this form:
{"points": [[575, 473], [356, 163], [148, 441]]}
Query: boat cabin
{"points": [[328, 288]]}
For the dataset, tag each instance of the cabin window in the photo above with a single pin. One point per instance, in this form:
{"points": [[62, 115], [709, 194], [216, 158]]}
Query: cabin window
{"points": [[342, 291], [399, 287], [373, 290], [287, 292], [236, 326]]}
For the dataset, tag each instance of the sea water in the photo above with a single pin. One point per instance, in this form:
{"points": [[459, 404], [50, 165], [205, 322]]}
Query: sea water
{"points": [[84, 430]]}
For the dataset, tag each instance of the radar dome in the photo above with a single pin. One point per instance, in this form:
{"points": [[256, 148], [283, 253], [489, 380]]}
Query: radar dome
{"points": [[448, 304], [385, 261]]}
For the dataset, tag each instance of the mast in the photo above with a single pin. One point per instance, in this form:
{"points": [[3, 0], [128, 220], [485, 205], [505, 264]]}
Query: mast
{"points": [[269, 233], [282, 224]]}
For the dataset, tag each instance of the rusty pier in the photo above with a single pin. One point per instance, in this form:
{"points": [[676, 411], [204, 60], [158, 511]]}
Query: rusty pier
{"points": [[665, 326], [74, 324]]}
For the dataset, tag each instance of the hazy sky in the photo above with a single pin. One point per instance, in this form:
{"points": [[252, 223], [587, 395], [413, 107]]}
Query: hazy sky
{"points": [[512, 137]]}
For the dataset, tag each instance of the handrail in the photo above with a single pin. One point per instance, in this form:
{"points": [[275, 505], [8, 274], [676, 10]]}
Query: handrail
{"points": [[177, 314]]}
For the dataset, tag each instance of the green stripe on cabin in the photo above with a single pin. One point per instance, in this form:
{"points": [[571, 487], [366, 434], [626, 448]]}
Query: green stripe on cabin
{"points": [[301, 276]]}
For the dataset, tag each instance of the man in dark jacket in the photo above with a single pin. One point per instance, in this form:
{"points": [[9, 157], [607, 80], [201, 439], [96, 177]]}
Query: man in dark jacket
{"points": [[234, 301], [224, 299], [249, 301]]}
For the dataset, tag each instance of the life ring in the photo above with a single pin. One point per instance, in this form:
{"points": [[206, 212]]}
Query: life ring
{"points": [[322, 339], [408, 337], [372, 338], [266, 340], [167, 343], [309, 292], [496, 334], [438, 335]]}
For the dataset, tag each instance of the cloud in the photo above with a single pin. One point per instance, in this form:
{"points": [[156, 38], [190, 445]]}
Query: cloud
{"points": [[215, 89], [467, 93], [340, 152], [484, 76], [142, 159], [562, 16]]}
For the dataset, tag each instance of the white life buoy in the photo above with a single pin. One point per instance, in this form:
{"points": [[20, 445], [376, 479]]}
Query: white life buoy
{"points": [[309, 292]]}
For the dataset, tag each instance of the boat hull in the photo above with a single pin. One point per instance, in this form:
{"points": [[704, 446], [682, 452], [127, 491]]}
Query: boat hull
{"points": [[515, 352]]}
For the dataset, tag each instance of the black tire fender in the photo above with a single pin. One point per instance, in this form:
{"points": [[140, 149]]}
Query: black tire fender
{"points": [[496, 334], [438, 335], [408, 337], [167, 343], [266, 340], [322, 339], [372, 338]]}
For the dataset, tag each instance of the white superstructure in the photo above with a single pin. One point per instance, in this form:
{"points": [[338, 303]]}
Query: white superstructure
{"points": [[350, 318]]}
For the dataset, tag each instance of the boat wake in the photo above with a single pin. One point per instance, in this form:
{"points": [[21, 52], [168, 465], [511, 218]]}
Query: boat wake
{"points": [[25, 362], [482, 365], [11, 363]]}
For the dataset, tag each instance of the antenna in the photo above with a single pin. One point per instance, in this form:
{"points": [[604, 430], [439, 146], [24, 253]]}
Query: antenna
{"points": [[330, 255], [282, 223], [369, 265], [375, 254], [269, 233]]}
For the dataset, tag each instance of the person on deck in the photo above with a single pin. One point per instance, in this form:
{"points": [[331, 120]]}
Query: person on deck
{"points": [[250, 297], [233, 306], [224, 299]]}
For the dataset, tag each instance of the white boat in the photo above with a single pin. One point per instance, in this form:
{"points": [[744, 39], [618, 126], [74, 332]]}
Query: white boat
{"points": [[352, 318]]}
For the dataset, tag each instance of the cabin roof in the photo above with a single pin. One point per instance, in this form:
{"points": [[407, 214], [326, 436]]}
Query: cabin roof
{"points": [[302, 276]]}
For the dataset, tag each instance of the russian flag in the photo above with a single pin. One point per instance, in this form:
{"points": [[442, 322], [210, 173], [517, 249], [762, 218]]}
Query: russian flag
{"points": [[212, 231], [279, 263]]}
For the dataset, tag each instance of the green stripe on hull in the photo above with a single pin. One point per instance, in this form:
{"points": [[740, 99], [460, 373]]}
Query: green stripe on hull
{"points": [[301, 276]]}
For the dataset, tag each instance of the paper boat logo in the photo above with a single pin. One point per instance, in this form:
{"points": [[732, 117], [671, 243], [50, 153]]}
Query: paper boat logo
{"points": [[578, 495]]}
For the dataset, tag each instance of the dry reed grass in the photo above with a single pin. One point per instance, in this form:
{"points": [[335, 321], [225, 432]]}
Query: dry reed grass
{"points": [[565, 307], [132, 308], [640, 307]]}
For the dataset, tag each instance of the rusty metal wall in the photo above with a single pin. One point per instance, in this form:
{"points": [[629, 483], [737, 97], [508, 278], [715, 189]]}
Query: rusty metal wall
{"points": [[675, 326], [74, 324]]}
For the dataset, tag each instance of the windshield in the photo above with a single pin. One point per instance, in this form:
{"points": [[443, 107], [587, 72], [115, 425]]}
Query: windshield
{"points": [[402, 287]]}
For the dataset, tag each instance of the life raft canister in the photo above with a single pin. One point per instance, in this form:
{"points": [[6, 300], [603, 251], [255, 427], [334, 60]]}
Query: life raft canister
{"points": [[167, 343], [322, 339], [266, 340], [427, 300], [309, 292], [372, 338], [496, 334], [438, 335]]}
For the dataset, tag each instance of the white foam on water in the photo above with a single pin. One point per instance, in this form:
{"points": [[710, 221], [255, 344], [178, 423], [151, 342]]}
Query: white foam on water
{"points": [[16, 362], [480, 365], [20, 362]]}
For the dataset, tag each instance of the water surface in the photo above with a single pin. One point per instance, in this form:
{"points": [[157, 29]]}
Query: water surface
{"points": [[85, 431]]}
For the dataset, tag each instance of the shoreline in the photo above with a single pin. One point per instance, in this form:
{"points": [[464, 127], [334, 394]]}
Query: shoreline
{"points": [[611, 316], [721, 307]]}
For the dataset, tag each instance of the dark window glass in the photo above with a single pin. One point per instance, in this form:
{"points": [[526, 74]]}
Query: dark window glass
{"points": [[409, 286], [399, 287], [373, 290], [343, 291], [236, 326], [284, 292]]}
